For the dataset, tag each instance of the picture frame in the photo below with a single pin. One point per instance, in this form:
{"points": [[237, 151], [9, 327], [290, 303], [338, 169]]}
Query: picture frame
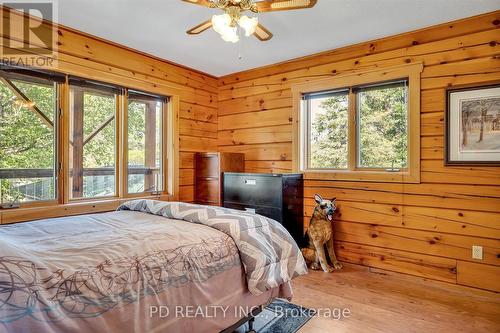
{"points": [[472, 125]]}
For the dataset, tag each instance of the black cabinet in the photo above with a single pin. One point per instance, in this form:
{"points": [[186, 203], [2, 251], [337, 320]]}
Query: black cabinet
{"points": [[277, 196]]}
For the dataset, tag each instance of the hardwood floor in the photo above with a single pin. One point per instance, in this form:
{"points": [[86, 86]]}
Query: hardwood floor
{"points": [[381, 301]]}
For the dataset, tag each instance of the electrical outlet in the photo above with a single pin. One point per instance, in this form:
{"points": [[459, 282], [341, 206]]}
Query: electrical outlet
{"points": [[477, 252]]}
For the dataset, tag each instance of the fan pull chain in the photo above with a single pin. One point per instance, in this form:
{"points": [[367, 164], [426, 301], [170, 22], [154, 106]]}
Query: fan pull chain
{"points": [[240, 45]]}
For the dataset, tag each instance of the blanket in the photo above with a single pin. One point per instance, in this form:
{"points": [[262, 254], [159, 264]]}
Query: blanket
{"points": [[269, 254]]}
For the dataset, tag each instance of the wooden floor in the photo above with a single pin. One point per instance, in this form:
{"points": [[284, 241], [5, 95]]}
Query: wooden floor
{"points": [[389, 302]]}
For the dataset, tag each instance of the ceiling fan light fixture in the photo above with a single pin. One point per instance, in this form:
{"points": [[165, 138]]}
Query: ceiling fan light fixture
{"points": [[228, 24], [249, 24], [222, 25], [221, 22], [230, 34]]}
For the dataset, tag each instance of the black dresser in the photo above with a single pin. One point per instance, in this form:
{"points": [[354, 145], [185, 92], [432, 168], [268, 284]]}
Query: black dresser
{"points": [[277, 196]]}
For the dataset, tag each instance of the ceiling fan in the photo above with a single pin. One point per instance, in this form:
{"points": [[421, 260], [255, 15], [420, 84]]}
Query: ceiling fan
{"points": [[227, 24]]}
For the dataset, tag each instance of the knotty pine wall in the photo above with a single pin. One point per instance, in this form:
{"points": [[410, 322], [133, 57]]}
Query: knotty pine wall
{"points": [[91, 57], [424, 229]]}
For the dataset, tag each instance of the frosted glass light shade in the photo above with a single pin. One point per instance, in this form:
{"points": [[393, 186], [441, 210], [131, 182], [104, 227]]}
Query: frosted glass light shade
{"points": [[221, 22], [249, 24]]}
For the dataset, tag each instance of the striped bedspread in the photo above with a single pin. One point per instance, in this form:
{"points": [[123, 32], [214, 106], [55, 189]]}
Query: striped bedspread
{"points": [[269, 254]]}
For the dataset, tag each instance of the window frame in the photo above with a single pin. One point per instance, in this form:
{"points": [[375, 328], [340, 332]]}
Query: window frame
{"points": [[164, 144], [63, 204], [307, 128], [27, 76], [300, 132], [356, 91], [95, 90]]}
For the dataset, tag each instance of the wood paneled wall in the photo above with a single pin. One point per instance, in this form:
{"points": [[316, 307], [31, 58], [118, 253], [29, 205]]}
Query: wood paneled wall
{"points": [[90, 57], [424, 229]]}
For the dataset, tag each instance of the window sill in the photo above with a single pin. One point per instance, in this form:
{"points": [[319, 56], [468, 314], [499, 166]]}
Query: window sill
{"points": [[363, 176], [50, 210]]}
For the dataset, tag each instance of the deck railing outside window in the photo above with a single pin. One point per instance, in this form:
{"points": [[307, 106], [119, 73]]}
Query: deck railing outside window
{"points": [[65, 138], [37, 184]]}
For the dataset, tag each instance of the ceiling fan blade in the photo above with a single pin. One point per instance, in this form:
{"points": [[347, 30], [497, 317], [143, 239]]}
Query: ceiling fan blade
{"points": [[205, 3], [275, 5], [262, 33], [200, 28]]}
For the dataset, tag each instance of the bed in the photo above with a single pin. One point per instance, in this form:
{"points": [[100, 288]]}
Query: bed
{"points": [[148, 267]]}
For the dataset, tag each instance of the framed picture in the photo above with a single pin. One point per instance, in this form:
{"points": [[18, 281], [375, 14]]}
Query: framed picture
{"points": [[473, 126]]}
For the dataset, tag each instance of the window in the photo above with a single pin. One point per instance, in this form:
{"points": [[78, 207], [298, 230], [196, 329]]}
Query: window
{"points": [[92, 139], [328, 129], [144, 153], [382, 131], [70, 145], [28, 136], [360, 127]]}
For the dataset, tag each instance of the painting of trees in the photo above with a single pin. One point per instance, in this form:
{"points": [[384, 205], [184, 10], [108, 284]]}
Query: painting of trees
{"points": [[478, 125]]}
